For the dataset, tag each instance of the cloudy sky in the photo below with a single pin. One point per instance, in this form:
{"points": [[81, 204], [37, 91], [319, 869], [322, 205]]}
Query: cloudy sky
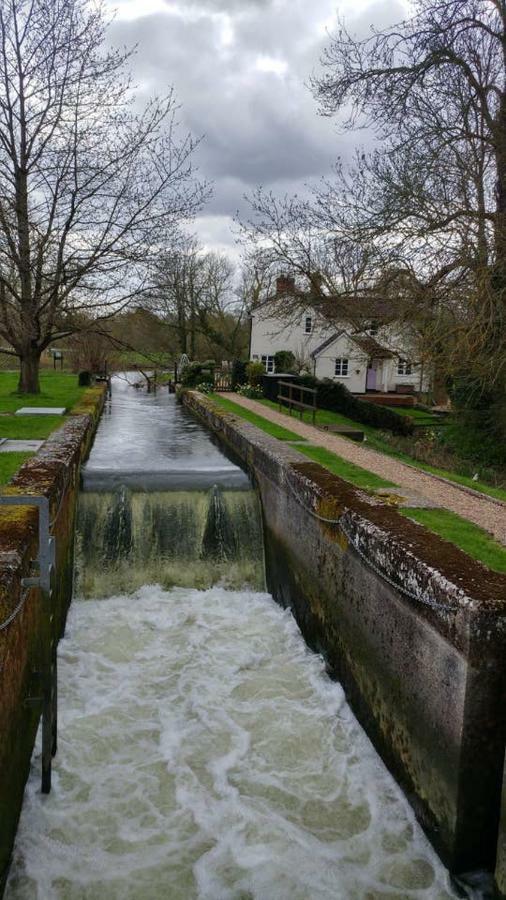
{"points": [[240, 70]]}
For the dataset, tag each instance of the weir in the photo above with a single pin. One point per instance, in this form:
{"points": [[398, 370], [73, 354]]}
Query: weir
{"points": [[196, 538], [204, 752], [162, 504]]}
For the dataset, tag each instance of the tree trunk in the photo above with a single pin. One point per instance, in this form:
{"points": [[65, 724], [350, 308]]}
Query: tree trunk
{"points": [[29, 372]]}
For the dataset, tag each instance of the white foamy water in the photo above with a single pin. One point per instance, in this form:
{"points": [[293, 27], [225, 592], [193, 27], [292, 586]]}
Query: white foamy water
{"points": [[204, 753]]}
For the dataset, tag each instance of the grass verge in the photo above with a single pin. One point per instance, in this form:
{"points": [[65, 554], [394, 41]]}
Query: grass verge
{"points": [[347, 470], [10, 463], [326, 417], [341, 467], [282, 434], [473, 540]]}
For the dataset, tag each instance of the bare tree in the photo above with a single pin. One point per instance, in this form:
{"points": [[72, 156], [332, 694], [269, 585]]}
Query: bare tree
{"points": [[88, 186], [434, 193], [194, 292]]}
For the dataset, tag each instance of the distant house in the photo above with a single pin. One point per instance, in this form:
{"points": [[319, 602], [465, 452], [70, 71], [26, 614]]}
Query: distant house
{"points": [[363, 344]]}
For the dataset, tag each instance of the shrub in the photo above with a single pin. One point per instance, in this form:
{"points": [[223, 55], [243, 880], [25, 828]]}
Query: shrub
{"points": [[197, 373], [205, 387], [238, 373], [284, 361], [253, 392], [85, 379], [254, 372]]}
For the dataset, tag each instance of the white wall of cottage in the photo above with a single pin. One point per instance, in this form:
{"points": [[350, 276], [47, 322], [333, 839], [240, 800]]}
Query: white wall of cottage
{"points": [[343, 348]]}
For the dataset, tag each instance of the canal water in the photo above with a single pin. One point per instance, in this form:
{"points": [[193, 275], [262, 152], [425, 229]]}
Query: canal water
{"points": [[204, 753]]}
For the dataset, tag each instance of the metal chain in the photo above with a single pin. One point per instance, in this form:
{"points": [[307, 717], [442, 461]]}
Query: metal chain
{"points": [[62, 498], [369, 562], [10, 618]]}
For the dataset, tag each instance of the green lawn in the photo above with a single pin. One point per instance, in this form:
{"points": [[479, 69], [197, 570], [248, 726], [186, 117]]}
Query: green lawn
{"points": [[282, 434], [57, 389], [420, 416], [28, 427], [470, 538], [10, 463]]}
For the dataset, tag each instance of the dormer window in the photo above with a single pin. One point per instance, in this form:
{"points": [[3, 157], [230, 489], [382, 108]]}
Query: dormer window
{"points": [[308, 325], [373, 329]]}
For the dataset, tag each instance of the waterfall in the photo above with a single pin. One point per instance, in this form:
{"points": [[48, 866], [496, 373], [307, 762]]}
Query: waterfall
{"points": [[198, 538]]}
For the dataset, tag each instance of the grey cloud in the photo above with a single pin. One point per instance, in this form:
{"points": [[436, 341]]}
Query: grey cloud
{"points": [[260, 127]]}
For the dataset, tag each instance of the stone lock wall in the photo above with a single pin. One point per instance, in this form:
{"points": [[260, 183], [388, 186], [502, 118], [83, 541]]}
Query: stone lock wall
{"points": [[413, 628], [34, 632]]}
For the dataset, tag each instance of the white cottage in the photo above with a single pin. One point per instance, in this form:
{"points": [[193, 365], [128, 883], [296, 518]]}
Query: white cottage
{"points": [[363, 345]]}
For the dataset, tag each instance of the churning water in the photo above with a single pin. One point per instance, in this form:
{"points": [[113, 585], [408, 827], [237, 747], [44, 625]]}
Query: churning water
{"points": [[204, 753]]}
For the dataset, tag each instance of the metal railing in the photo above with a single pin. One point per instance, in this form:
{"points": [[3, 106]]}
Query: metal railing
{"points": [[298, 404]]}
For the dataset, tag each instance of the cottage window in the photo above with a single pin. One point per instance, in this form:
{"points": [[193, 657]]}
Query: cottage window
{"points": [[268, 362], [308, 325], [373, 329], [403, 367], [341, 367]]}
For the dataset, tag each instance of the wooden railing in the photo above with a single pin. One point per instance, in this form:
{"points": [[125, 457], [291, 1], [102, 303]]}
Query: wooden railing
{"points": [[294, 403]]}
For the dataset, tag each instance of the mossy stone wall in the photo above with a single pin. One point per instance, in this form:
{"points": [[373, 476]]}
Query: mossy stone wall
{"points": [[27, 641]]}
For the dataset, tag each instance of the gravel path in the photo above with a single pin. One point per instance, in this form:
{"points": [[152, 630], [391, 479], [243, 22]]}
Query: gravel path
{"points": [[479, 510]]}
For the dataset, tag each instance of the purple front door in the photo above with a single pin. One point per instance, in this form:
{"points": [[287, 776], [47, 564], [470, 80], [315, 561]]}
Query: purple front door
{"points": [[371, 379]]}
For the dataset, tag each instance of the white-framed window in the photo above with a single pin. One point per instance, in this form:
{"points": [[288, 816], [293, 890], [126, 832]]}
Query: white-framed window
{"points": [[373, 328], [403, 367], [341, 366], [308, 325], [268, 362]]}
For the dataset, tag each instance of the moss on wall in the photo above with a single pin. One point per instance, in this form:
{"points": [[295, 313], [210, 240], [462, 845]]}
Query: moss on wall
{"points": [[25, 644]]}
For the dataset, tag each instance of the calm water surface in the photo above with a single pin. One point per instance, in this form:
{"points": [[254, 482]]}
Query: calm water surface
{"points": [[151, 440]]}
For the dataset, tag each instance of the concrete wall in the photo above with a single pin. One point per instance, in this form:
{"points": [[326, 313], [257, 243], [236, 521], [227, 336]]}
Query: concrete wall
{"points": [[415, 632], [25, 643]]}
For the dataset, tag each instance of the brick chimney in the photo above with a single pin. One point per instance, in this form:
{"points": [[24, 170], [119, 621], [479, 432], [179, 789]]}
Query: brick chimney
{"points": [[285, 284]]}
